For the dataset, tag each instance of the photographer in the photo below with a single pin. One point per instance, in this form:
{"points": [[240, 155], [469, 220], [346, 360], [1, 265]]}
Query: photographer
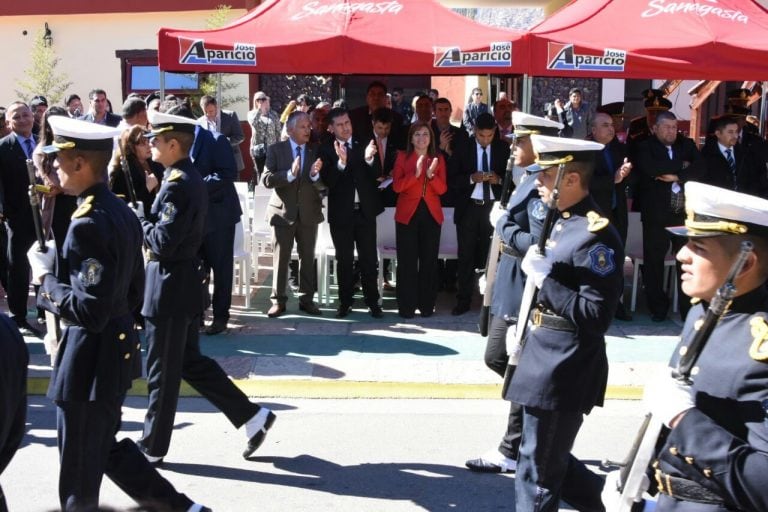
{"points": [[575, 115]]}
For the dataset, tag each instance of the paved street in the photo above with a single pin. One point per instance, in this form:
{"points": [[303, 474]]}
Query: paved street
{"points": [[322, 455]]}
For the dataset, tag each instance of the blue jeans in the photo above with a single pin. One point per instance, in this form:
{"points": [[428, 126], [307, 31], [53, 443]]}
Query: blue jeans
{"points": [[546, 470]]}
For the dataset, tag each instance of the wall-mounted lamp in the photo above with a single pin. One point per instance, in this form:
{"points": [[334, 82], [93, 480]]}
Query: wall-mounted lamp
{"points": [[47, 36]]}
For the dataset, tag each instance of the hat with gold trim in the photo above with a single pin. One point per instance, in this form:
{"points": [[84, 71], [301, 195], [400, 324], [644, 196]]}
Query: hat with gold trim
{"points": [[615, 109], [551, 151], [526, 124], [715, 211], [164, 123], [736, 102], [654, 100], [71, 133]]}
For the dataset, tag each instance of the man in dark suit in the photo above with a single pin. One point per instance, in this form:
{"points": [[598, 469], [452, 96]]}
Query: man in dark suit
{"points": [[361, 117], [98, 112], [608, 186], [449, 140], [475, 177], [13, 394], [226, 123], [292, 171], [212, 156], [729, 164], [664, 163], [353, 204], [15, 149], [386, 154]]}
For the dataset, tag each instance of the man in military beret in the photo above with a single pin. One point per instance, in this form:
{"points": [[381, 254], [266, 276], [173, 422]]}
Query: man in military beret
{"points": [[714, 454], [640, 127], [94, 290], [173, 298], [563, 369]]}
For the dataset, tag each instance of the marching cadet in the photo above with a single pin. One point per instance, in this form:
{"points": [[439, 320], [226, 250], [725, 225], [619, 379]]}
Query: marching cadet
{"points": [[98, 283], [563, 369], [715, 457], [518, 227], [173, 298]]}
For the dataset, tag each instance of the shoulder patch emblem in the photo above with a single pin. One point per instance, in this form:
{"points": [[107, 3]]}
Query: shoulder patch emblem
{"points": [[168, 213], [175, 175], [601, 260], [88, 199], [90, 272], [596, 222], [759, 329], [538, 210], [83, 209]]}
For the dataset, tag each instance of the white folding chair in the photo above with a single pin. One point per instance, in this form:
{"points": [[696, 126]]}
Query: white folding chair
{"points": [[634, 251], [386, 243], [242, 262], [449, 245]]}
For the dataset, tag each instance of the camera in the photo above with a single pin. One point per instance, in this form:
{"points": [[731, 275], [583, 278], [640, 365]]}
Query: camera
{"points": [[550, 110]]}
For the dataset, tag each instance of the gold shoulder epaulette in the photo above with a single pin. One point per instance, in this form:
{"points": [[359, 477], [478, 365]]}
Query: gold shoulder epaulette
{"points": [[759, 348], [175, 175], [84, 207], [596, 222]]}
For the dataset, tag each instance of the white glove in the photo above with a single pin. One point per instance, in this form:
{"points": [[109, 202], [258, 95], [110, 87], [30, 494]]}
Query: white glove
{"points": [[138, 209], [40, 262], [611, 496], [497, 212], [666, 397], [513, 347], [481, 283], [536, 266]]}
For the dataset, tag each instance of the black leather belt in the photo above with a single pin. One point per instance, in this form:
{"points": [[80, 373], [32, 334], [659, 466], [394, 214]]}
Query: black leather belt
{"points": [[510, 251], [686, 490], [356, 206], [480, 202], [545, 318]]}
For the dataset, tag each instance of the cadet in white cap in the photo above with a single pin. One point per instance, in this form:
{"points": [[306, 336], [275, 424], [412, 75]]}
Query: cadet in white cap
{"points": [[715, 455], [173, 298], [563, 368], [99, 354], [518, 227]]}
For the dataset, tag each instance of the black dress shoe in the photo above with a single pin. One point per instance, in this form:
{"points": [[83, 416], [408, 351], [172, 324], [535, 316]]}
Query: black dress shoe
{"points": [[460, 309], [310, 308], [261, 422], [376, 311], [343, 311], [658, 317], [622, 314], [218, 325], [27, 330], [427, 314], [481, 465], [406, 314], [276, 310]]}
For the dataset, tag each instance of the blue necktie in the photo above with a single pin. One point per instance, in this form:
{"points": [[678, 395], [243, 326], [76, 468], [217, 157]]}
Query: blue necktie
{"points": [[611, 170], [731, 165], [29, 147]]}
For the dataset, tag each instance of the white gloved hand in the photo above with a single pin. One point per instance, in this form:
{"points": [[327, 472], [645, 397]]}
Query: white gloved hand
{"points": [[40, 262], [482, 282], [137, 209], [536, 266], [497, 212], [611, 495], [513, 346], [666, 397]]}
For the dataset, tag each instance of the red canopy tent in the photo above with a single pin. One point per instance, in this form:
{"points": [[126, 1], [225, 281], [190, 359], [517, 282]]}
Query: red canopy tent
{"points": [[396, 37], [696, 39]]}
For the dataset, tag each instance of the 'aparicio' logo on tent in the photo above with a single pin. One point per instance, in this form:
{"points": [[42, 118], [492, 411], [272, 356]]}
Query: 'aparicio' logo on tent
{"points": [[197, 51], [319, 9], [497, 55], [563, 56], [656, 7]]}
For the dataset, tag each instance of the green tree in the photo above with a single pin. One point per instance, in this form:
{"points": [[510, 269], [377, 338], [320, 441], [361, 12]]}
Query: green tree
{"points": [[41, 76], [229, 88]]}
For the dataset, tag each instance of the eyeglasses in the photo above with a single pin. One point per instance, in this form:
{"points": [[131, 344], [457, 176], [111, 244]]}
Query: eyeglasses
{"points": [[478, 94], [261, 99]]}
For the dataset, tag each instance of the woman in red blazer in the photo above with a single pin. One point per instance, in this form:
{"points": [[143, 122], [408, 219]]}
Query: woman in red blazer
{"points": [[419, 178]]}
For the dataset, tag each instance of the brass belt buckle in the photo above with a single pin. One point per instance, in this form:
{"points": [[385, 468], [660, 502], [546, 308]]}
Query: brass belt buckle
{"points": [[537, 317]]}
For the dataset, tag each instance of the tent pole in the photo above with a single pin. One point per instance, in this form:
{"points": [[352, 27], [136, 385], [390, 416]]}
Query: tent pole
{"points": [[763, 109], [527, 83], [162, 84], [218, 90]]}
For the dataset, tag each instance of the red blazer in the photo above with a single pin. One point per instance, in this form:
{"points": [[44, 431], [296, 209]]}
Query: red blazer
{"points": [[411, 189]]}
